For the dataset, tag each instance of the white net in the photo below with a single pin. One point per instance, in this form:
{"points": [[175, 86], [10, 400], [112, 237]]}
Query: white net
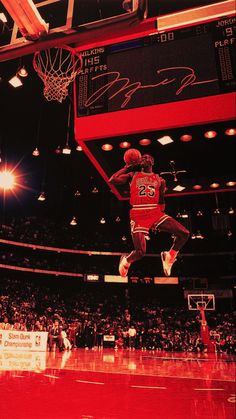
{"points": [[57, 67]]}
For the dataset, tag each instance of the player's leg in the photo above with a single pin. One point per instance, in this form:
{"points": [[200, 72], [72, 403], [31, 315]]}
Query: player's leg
{"points": [[139, 251], [181, 235]]}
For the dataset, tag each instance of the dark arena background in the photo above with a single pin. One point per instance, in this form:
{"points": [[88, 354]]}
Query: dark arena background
{"points": [[82, 81]]}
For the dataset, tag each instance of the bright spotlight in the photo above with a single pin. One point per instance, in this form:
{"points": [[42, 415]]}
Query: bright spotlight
{"points": [[7, 180]]}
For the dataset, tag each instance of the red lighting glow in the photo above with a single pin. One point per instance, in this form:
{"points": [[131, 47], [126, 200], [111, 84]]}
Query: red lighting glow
{"points": [[145, 141], [210, 134], [7, 180], [230, 131], [186, 138], [107, 147], [197, 187], [125, 144], [214, 185]]}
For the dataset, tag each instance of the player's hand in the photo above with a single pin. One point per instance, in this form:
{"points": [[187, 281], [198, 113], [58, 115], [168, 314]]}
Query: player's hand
{"points": [[136, 167]]}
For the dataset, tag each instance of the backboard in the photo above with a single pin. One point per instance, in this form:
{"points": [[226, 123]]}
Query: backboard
{"points": [[57, 22], [86, 21], [201, 301]]}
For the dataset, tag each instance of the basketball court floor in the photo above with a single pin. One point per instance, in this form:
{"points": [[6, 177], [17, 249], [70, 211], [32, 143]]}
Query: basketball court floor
{"points": [[108, 383]]}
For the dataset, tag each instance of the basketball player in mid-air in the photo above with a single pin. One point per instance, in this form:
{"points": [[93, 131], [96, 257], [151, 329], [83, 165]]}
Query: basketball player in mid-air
{"points": [[147, 190]]}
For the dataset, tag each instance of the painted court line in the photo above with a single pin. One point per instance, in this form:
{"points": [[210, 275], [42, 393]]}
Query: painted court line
{"points": [[51, 376], [158, 388], [192, 378], [89, 382], [209, 389]]}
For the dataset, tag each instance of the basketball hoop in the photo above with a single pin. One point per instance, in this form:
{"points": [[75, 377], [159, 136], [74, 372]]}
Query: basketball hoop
{"points": [[57, 67]]}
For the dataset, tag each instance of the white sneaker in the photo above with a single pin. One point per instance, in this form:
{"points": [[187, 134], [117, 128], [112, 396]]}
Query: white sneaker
{"points": [[123, 266], [167, 263]]}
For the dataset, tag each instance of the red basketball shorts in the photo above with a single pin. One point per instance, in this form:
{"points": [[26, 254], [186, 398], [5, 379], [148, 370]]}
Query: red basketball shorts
{"points": [[142, 220]]}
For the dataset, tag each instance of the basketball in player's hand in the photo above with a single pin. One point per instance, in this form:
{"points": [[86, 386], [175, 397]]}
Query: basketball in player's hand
{"points": [[132, 156]]}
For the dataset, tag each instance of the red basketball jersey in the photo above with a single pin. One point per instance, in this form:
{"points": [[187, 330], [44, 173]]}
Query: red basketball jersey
{"points": [[144, 189]]}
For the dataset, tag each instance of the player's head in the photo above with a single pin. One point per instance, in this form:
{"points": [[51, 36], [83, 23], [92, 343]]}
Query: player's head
{"points": [[147, 160]]}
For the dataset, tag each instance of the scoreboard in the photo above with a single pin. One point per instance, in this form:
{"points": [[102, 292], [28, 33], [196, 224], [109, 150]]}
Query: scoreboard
{"points": [[188, 63], [169, 79]]}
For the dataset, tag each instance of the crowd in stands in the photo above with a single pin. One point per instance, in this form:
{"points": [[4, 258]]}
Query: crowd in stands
{"points": [[59, 233], [84, 314], [110, 236], [49, 232]]}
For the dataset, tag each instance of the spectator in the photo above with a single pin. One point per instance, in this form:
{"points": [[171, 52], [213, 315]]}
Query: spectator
{"points": [[55, 336], [132, 336]]}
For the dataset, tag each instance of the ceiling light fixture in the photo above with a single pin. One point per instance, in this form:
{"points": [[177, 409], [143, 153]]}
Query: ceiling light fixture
{"points": [[199, 235], [107, 147], [184, 215], [199, 213], [145, 141], [7, 180], [3, 18], [22, 72], [186, 138], [66, 149], [173, 171], [210, 134], [42, 197], [102, 221], [15, 81], [73, 222], [231, 183], [230, 131], [214, 185], [179, 188], [166, 139], [125, 144], [197, 187], [35, 152]]}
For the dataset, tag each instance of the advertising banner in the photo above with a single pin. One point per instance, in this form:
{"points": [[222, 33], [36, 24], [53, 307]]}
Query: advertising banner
{"points": [[115, 278], [17, 340], [22, 361], [166, 280]]}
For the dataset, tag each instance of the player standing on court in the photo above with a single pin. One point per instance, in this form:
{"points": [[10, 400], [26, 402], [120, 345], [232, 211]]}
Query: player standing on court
{"points": [[147, 190]]}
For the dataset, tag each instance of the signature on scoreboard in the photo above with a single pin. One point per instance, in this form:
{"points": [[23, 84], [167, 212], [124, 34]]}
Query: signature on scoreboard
{"points": [[117, 85]]}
